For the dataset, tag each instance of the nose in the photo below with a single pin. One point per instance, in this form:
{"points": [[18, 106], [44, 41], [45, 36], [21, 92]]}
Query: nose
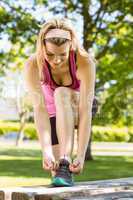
{"points": [[57, 60]]}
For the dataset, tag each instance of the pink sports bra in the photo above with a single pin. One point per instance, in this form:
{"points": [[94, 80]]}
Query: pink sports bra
{"points": [[49, 85]]}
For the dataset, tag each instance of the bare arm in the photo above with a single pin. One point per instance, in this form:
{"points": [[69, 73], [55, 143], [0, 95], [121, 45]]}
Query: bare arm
{"points": [[40, 113], [87, 78]]}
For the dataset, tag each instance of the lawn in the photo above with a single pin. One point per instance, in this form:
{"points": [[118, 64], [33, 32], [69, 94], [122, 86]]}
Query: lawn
{"points": [[21, 167]]}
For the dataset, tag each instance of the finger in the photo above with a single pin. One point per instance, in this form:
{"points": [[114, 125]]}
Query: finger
{"points": [[48, 168], [74, 169], [75, 164], [48, 165], [56, 166]]}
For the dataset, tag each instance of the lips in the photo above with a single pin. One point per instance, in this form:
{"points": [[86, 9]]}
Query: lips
{"points": [[57, 65]]}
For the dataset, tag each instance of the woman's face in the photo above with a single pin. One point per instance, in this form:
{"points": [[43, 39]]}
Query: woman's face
{"points": [[57, 55]]}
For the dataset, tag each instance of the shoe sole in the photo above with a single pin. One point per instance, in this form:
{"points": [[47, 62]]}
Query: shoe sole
{"points": [[60, 182]]}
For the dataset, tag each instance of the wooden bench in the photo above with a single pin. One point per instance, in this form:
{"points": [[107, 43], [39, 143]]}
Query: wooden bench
{"points": [[116, 189]]}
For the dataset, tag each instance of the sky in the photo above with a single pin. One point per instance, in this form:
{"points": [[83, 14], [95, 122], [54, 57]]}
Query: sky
{"points": [[40, 13]]}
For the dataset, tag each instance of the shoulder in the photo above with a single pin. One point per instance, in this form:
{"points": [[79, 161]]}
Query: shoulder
{"points": [[86, 64], [31, 67], [31, 72]]}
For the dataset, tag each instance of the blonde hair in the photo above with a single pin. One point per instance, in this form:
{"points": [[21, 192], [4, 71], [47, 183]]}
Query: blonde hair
{"points": [[64, 24]]}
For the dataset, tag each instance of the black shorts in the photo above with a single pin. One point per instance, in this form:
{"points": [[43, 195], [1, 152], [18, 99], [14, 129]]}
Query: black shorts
{"points": [[53, 131], [53, 123]]}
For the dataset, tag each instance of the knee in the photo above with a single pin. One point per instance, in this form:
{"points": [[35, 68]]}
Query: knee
{"points": [[62, 95]]}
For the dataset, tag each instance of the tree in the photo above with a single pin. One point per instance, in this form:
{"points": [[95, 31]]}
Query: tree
{"points": [[21, 28], [107, 29]]}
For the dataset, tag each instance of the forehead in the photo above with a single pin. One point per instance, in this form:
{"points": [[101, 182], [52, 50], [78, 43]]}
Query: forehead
{"points": [[53, 48]]}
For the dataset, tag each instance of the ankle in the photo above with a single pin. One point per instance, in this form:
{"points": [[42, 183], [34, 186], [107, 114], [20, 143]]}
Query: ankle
{"points": [[53, 173], [66, 158]]}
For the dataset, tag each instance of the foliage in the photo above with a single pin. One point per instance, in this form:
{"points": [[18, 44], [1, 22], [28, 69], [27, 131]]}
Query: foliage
{"points": [[9, 127], [107, 29], [112, 134], [100, 133], [20, 28]]}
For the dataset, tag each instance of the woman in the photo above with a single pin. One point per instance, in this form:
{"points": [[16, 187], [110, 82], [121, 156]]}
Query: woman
{"points": [[60, 77]]}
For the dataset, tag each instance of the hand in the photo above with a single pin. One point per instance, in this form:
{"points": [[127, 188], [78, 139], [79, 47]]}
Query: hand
{"points": [[49, 163], [76, 166]]}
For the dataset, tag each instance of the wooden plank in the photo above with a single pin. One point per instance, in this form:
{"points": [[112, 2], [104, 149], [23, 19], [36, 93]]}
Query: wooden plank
{"points": [[21, 196], [110, 196], [105, 189], [2, 195]]}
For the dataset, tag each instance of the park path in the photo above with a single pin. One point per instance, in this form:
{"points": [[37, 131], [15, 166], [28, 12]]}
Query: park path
{"points": [[112, 148], [98, 148]]}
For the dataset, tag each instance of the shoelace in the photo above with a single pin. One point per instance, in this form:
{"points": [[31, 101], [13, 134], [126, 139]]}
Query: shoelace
{"points": [[63, 170]]}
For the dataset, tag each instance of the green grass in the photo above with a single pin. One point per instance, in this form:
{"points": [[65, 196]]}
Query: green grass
{"points": [[21, 167]]}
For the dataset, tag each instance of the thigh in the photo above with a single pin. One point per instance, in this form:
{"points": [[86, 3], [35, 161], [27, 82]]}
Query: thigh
{"points": [[75, 106]]}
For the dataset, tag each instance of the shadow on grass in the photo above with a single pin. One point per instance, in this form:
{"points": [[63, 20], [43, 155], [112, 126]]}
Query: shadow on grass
{"points": [[107, 167], [23, 168], [16, 162], [20, 152], [27, 163]]}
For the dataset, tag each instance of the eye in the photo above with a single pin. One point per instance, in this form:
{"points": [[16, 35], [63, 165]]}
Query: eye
{"points": [[63, 54], [49, 54]]}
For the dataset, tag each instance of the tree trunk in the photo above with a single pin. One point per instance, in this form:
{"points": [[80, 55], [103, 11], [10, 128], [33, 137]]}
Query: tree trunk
{"points": [[88, 155], [20, 135]]}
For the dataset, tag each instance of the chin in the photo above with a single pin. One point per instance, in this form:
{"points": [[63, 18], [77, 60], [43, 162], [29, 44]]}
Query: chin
{"points": [[59, 65]]}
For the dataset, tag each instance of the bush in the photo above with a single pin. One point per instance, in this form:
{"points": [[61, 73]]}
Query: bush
{"points": [[100, 133], [131, 134], [8, 127], [110, 134], [30, 131], [1, 132]]}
